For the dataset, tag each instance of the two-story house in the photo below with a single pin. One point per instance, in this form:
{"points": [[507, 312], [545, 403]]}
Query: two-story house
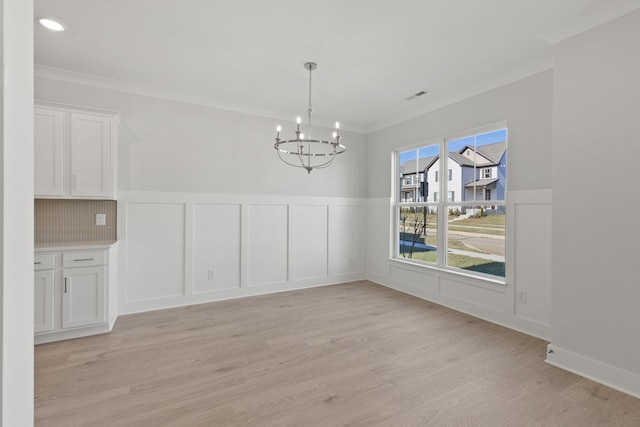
{"points": [[473, 174]]}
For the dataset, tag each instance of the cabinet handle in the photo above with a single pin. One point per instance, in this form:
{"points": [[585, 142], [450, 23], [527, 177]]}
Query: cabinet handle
{"points": [[84, 259], [65, 285], [37, 262], [74, 182]]}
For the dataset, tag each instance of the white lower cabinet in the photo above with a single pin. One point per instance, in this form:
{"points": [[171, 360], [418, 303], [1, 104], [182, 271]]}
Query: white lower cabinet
{"points": [[72, 292], [44, 303], [83, 297]]}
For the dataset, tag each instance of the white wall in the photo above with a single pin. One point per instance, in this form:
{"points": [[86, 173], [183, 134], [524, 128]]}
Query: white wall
{"points": [[596, 293], [178, 147], [203, 189], [526, 107], [16, 213]]}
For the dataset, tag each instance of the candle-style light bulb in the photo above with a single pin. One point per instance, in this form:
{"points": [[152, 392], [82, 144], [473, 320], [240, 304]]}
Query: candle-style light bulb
{"points": [[298, 120], [278, 129], [335, 134], [302, 136], [337, 125]]}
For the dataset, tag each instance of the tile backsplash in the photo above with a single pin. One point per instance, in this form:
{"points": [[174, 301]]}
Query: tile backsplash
{"points": [[73, 220]]}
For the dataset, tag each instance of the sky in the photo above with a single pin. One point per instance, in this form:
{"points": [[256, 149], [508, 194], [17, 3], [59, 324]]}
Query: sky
{"points": [[455, 145]]}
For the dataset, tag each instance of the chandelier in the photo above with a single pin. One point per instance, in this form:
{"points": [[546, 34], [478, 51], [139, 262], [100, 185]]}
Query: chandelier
{"points": [[303, 151]]}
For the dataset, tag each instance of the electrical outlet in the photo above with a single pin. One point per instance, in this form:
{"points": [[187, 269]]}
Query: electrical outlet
{"points": [[211, 275], [101, 219], [522, 297]]}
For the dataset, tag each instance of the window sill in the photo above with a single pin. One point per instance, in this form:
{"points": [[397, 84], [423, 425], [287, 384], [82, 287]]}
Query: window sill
{"points": [[448, 272]]}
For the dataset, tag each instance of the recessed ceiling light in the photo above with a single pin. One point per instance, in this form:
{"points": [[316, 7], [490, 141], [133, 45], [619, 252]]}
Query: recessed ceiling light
{"points": [[52, 25]]}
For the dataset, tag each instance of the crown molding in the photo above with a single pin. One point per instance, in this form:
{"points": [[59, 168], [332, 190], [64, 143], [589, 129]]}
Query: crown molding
{"points": [[542, 64], [589, 19], [164, 93]]}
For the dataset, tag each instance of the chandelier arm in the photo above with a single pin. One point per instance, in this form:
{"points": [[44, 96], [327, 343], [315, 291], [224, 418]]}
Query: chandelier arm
{"points": [[290, 164]]}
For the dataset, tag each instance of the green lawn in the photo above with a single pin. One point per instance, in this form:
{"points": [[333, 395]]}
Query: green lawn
{"points": [[464, 262], [494, 220]]}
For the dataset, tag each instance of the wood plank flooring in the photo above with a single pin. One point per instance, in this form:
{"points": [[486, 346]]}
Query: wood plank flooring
{"points": [[356, 354]]}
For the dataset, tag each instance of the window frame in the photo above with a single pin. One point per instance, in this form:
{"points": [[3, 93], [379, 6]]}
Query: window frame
{"points": [[442, 205]]}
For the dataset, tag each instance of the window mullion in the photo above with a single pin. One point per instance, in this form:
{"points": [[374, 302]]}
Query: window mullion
{"points": [[441, 255]]}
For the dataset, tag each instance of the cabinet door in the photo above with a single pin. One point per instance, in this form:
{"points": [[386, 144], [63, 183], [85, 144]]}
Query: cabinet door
{"points": [[44, 302], [48, 154], [90, 156], [83, 297]]}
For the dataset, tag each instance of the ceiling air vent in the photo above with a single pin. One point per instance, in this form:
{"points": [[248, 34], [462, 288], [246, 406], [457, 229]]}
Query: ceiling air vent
{"points": [[417, 94]]}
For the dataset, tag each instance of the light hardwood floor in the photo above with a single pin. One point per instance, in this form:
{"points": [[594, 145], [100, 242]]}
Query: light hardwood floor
{"points": [[356, 354]]}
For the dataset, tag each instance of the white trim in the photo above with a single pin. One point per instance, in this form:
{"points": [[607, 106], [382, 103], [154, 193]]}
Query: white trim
{"points": [[608, 375], [490, 315], [58, 74], [605, 12], [443, 204], [289, 282], [532, 68], [39, 103], [537, 66]]}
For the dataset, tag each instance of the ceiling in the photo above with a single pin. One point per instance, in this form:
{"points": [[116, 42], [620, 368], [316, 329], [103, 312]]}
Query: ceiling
{"points": [[248, 55]]}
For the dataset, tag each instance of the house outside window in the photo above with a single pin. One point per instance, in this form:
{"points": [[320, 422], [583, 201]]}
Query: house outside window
{"points": [[460, 232]]}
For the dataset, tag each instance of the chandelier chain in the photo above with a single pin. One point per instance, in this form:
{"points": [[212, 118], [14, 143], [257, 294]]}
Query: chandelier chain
{"points": [[310, 109]]}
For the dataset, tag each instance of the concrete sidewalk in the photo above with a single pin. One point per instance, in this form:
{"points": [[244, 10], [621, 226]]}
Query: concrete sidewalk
{"points": [[490, 257]]}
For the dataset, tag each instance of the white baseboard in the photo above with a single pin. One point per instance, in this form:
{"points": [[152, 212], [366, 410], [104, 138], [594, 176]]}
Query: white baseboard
{"points": [[131, 307], [500, 318], [610, 376]]}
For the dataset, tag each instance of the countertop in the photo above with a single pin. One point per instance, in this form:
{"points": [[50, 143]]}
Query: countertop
{"points": [[77, 245]]}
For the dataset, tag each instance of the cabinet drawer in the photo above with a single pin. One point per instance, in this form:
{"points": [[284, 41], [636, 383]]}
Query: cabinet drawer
{"points": [[44, 261], [84, 258]]}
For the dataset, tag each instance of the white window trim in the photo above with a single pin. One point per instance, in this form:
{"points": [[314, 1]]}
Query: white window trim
{"points": [[443, 206]]}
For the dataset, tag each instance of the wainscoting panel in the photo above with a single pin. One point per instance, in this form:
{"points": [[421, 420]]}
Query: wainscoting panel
{"points": [[486, 296], [533, 262], [216, 247], [310, 231], [347, 226], [155, 250], [267, 244], [183, 248], [522, 302]]}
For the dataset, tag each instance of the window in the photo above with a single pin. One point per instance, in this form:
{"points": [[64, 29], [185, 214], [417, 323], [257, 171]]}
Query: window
{"points": [[461, 232], [408, 180]]}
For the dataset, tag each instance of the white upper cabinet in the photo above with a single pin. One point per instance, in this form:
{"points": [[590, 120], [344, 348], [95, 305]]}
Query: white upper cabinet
{"points": [[90, 156], [75, 153], [48, 152]]}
